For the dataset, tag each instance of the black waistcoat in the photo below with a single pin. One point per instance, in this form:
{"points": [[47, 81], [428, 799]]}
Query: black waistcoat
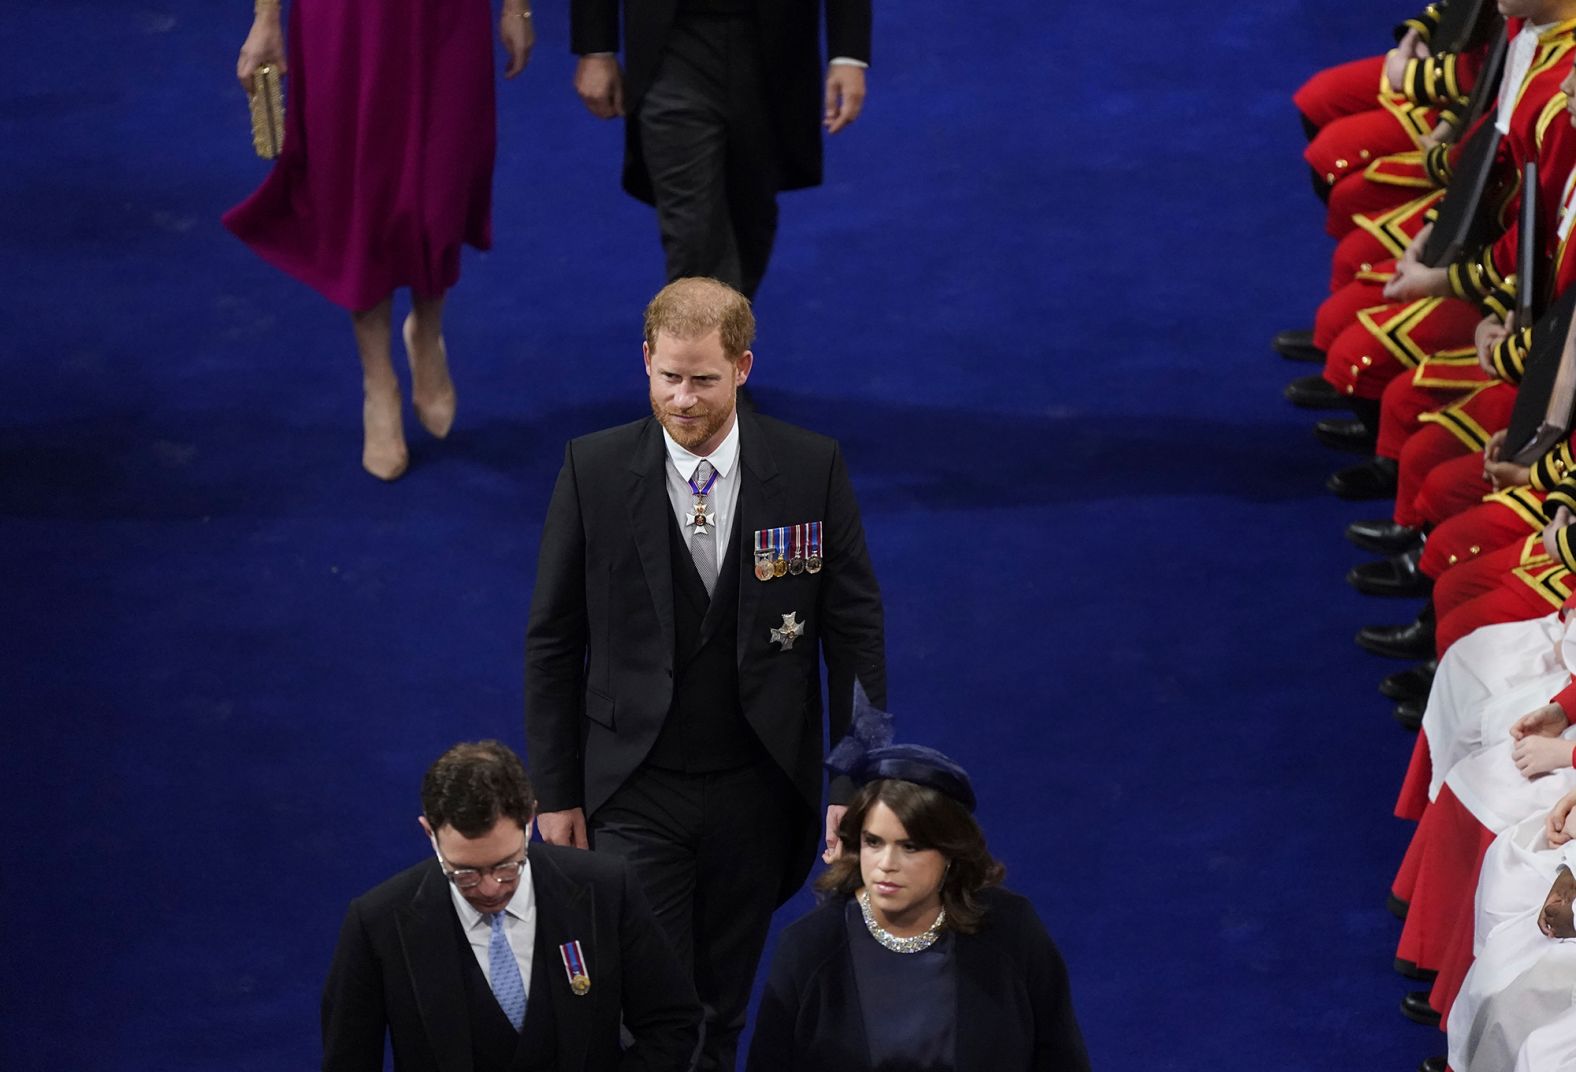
{"points": [[495, 1045], [705, 728]]}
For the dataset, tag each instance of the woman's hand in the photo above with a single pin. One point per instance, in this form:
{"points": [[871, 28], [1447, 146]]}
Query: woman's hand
{"points": [[264, 45], [517, 33], [1554, 827]]}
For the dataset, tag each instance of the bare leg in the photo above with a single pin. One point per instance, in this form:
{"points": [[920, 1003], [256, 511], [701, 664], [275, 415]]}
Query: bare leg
{"points": [[383, 452], [432, 391]]}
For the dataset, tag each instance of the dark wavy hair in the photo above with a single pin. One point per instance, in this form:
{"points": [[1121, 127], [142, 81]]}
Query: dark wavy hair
{"points": [[933, 821], [473, 785]]}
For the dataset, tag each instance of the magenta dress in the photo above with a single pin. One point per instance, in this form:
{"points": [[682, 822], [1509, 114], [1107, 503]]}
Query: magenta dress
{"points": [[390, 133]]}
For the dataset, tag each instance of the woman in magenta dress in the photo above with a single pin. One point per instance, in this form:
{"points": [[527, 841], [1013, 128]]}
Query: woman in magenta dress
{"points": [[385, 172]]}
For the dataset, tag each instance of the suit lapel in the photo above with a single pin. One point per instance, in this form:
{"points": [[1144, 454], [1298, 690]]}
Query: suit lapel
{"points": [[566, 912], [650, 516], [432, 957], [760, 503]]}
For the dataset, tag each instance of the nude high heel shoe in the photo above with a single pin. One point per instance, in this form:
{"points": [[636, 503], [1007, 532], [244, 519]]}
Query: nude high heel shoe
{"points": [[383, 450], [435, 409]]}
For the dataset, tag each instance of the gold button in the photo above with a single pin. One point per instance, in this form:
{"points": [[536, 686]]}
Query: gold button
{"points": [[1363, 154], [1354, 370], [1351, 388], [1367, 361], [1367, 267], [1340, 163], [1474, 549], [1452, 560], [1329, 176]]}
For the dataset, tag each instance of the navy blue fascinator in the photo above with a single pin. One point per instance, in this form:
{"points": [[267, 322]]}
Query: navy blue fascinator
{"points": [[867, 755]]}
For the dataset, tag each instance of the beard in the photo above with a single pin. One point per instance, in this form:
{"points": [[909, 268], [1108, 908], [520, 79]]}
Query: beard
{"points": [[691, 434]]}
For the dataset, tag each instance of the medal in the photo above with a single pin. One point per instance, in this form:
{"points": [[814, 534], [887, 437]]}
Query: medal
{"points": [[812, 563], [763, 555], [788, 632], [575, 967], [780, 547], [701, 514], [796, 563]]}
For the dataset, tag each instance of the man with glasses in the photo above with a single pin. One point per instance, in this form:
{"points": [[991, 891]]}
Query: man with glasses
{"points": [[491, 957]]}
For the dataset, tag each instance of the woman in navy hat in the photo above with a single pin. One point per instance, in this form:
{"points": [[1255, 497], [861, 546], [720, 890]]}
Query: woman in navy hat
{"points": [[917, 960]]}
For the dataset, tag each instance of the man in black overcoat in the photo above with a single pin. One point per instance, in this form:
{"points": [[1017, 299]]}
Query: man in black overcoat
{"points": [[694, 566], [486, 958], [725, 101]]}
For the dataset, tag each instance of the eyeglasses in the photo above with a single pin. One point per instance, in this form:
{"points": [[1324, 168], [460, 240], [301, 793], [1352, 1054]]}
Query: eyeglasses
{"points": [[468, 878]]}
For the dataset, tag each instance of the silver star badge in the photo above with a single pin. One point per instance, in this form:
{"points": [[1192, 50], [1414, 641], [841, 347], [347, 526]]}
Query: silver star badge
{"points": [[701, 514], [791, 630]]}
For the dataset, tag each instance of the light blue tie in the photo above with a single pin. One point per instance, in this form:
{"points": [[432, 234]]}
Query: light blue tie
{"points": [[507, 986]]}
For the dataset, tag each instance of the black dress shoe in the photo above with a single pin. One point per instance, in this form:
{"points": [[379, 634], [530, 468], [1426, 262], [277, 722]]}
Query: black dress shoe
{"points": [[1409, 713], [1415, 1007], [1345, 433], [1415, 640], [1297, 346], [1397, 575], [1434, 1064], [1383, 536], [1412, 683], [1314, 392], [1372, 479]]}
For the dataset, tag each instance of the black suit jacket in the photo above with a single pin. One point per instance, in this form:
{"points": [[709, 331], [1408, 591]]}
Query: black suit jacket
{"points": [[790, 36], [397, 971], [600, 643], [1015, 1011]]}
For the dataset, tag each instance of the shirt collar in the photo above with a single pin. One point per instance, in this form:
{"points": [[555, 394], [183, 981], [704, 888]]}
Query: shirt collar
{"points": [[520, 905], [723, 459]]}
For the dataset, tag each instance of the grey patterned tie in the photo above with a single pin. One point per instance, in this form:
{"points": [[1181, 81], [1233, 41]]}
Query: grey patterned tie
{"points": [[703, 541]]}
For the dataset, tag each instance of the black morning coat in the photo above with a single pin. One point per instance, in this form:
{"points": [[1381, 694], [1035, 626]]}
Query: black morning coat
{"points": [[600, 647], [399, 970], [791, 41], [1015, 1011]]}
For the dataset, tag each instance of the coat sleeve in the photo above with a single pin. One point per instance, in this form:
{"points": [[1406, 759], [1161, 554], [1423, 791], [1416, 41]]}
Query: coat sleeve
{"points": [[848, 29], [593, 26], [555, 651], [354, 1020], [661, 1011], [853, 636], [772, 1045], [1058, 1043]]}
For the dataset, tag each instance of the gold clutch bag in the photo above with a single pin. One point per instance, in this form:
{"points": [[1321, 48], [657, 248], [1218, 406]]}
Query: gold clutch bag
{"points": [[268, 112]]}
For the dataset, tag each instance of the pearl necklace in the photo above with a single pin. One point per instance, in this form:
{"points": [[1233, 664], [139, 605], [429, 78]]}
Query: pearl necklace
{"points": [[916, 944]]}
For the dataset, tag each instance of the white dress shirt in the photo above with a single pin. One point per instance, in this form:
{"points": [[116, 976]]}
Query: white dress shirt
{"points": [[1518, 61], [519, 926], [724, 495]]}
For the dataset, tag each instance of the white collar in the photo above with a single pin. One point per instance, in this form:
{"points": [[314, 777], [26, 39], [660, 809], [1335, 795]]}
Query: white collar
{"points": [[723, 459], [521, 906]]}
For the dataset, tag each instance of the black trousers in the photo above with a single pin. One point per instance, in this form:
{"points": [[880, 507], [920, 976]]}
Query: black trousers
{"points": [[711, 851], [706, 138]]}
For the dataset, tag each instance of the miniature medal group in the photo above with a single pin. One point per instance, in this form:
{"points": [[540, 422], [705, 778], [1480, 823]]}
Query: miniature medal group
{"points": [[787, 550]]}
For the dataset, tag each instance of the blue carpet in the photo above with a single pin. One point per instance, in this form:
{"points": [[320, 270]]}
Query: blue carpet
{"points": [[1033, 301]]}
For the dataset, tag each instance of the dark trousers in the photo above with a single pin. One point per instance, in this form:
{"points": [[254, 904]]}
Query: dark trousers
{"points": [[705, 134], [710, 851]]}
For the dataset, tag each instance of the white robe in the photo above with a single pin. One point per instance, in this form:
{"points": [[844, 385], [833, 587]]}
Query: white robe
{"points": [[1517, 1005], [1486, 681]]}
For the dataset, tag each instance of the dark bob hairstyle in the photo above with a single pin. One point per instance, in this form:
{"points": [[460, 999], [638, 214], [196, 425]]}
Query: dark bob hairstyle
{"points": [[933, 821]]}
